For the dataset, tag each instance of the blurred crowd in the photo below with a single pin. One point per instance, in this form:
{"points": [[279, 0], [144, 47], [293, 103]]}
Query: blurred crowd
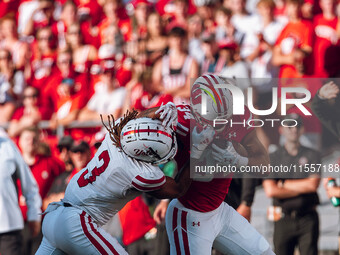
{"points": [[71, 60]]}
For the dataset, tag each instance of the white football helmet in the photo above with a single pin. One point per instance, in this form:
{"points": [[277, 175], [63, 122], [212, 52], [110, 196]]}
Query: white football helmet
{"points": [[219, 100], [148, 140]]}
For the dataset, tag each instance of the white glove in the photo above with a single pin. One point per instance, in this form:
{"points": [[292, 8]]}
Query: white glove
{"points": [[200, 141], [168, 114], [228, 156]]}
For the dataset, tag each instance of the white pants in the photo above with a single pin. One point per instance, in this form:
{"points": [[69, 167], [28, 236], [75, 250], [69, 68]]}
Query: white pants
{"points": [[192, 232], [70, 230]]}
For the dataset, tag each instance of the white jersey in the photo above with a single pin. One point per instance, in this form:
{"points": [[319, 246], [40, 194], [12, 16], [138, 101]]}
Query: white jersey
{"points": [[109, 181]]}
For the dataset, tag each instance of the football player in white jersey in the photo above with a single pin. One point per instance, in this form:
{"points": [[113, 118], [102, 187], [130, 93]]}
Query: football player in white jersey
{"points": [[124, 166]]}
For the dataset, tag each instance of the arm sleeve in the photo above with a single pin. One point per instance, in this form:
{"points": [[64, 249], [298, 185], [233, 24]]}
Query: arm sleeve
{"points": [[248, 189], [29, 187], [148, 181], [326, 113]]}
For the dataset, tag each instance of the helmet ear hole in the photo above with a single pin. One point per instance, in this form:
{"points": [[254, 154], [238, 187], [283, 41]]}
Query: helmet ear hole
{"points": [[148, 140]]}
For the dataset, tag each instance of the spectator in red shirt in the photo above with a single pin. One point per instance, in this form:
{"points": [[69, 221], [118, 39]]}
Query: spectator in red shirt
{"points": [[294, 43], [43, 58], [67, 18], [45, 169], [114, 16], [68, 103], [10, 41], [326, 44], [63, 71], [27, 115], [82, 54]]}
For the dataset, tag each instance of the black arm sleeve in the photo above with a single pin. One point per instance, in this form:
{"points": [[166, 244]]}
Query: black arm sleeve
{"points": [[248, 189], [327, 114]]}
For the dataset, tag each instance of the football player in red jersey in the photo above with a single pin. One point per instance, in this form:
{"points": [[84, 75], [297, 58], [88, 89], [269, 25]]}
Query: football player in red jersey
{"points": [[201, 219]]}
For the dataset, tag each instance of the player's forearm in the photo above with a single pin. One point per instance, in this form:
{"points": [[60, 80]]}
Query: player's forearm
{"points": [[303, 186]]}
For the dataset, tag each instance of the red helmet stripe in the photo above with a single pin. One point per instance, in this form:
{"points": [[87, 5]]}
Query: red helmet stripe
{"points": [[147, 131]]}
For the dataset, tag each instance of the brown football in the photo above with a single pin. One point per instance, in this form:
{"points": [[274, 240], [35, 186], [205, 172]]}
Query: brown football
{"points": [[222, 143]]}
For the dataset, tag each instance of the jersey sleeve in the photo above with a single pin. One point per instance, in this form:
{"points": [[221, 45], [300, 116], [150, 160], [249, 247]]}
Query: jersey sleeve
{"points": [[148, 181], [184, 118]]}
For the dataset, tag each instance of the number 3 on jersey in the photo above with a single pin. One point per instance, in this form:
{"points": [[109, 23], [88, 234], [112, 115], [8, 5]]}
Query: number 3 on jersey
{"points": [[82, 181]]}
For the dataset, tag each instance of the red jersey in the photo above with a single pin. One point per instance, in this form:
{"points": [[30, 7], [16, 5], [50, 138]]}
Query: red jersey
{"points": [[50, 97], [293, 36], [45, 170], [91, 9], [207, 196], [41, 68], [326, 46], [59, 30]]}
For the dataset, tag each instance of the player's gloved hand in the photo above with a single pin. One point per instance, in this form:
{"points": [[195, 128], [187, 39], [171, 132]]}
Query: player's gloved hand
{"points": [[200, 141], [168, 113], [228, 156]]}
